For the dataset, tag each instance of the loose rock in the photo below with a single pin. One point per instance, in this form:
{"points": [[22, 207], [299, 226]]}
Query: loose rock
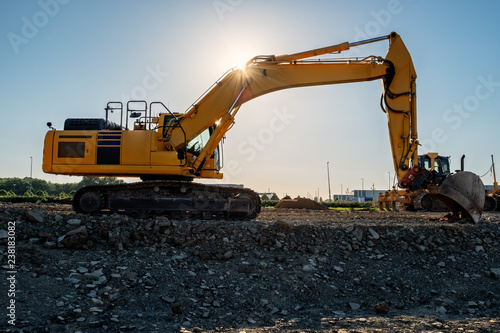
{"points": [[74, 239], [320, 271]]}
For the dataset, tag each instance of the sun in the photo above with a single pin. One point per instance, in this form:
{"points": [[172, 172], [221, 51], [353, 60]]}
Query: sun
{"points": [[240, 60], [237, 55]]}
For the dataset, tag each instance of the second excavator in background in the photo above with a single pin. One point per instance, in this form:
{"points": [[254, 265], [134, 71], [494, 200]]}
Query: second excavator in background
{"points": [[167, 150], [420, 199], [492, 201]]}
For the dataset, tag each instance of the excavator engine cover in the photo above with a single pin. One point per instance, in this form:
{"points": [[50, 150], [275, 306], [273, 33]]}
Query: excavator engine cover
{"points": [[463, 193]]}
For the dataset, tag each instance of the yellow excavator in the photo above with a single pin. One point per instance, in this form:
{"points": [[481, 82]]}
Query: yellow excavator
{"points": [[167, 150], [419, 199], [492, 200]]}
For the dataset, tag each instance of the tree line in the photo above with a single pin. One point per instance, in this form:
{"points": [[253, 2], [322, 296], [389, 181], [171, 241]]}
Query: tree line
{"points": [[40, 187]]}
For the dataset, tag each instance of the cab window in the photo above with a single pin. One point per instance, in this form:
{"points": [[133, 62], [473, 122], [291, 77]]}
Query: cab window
{"points": [[196, 145]]}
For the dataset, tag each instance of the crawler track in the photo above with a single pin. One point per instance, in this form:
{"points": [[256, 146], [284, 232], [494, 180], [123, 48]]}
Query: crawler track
{"points": [[178, 199]]}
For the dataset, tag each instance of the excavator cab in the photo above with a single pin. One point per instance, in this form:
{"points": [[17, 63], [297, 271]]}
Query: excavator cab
{"points": [[195, 146], [433, 161]]}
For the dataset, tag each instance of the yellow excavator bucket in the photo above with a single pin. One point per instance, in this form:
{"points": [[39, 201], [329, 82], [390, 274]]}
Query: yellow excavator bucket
{"points": [[463, 193]]}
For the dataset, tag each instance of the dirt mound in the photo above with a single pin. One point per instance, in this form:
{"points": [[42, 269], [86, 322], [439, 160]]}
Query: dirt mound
{"points": [[300, 203]]}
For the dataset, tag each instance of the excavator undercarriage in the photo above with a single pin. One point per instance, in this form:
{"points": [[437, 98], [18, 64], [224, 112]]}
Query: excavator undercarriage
{"points": [[179, 199]]}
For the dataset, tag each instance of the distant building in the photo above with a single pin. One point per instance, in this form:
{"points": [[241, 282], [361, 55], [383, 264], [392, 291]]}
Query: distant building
{"points": [[359, 195], [343, 197]]}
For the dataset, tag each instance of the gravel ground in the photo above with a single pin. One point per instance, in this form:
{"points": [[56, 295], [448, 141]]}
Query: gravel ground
{"points": [[286, 271]]}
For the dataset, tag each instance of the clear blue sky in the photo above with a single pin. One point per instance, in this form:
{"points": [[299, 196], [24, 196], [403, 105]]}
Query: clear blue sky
{"points": [[62, 59]]}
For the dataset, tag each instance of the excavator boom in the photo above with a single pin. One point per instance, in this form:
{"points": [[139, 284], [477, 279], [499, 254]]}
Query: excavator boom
{"points": [[266, 74]]}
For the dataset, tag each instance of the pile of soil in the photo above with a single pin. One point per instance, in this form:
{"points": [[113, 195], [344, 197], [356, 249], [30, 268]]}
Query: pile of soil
{"points": [[287, 271]]}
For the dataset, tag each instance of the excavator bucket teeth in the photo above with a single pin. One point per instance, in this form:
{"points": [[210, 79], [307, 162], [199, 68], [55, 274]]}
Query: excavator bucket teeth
{"points": [[463, 193]]}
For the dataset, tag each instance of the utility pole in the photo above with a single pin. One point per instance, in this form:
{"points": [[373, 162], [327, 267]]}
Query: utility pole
{"points": [[328, 172]]}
